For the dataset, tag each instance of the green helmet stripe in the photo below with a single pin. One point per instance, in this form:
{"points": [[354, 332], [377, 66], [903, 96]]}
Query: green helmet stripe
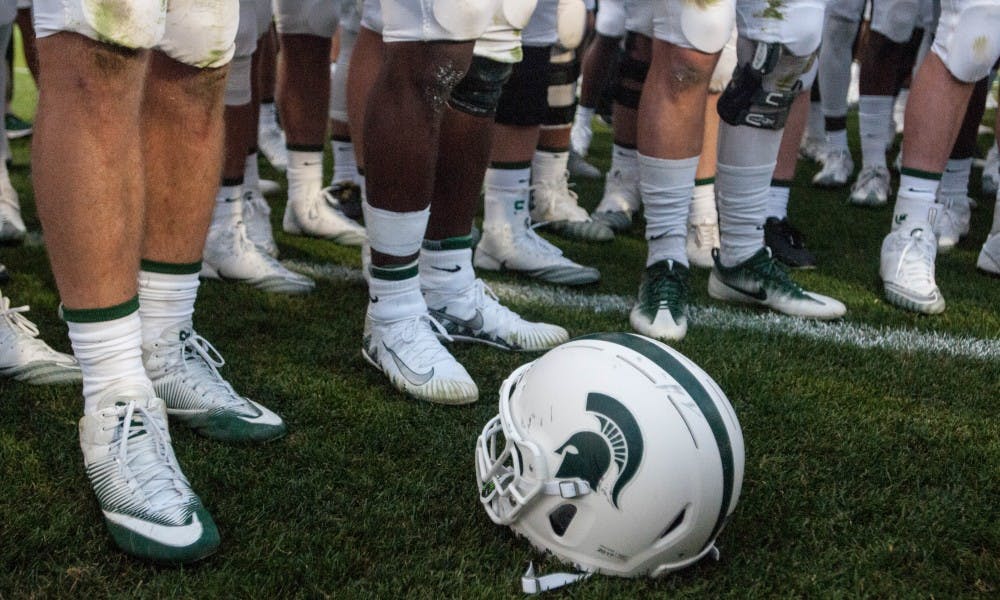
{"points": [[701, 397]]}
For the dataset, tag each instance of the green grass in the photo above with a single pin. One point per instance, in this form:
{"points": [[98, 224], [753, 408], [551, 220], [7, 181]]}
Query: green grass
{"points": [[869, 473]]}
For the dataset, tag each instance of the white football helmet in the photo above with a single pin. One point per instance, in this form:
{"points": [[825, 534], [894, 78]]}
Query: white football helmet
{"points": [[613, 452]]}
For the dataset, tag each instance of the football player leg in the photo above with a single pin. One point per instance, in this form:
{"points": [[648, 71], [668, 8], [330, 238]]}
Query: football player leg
{"points": [[934, 112], [346, 181], [12, 229], [90, 138], [270, 136], [776, 52], [305, 30], [231, 252]]}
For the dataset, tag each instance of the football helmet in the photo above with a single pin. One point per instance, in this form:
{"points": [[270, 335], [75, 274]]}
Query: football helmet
{"points": [[615, 453]]}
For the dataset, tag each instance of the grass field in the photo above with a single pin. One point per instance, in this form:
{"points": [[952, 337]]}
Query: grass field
{"points": [[873, 443]]}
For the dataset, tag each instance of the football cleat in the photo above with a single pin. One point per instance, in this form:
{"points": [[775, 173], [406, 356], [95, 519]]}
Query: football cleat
{"points": [[184, 369], [147, 502], [257, 217], [813, 149], [26, 358], [229, 255], [579, 167], [17, 127], [907, 270], [663, 295], [787, 244], [12, 229], [762, 281], [837, 168], [348, 196], [268, 187], [871, 187], [621, 199], [952, 222], [989, 257], [991, 172], [476, 315], [316, 213], [410, 354], [521, 250], [701, 239], [555, 205]]}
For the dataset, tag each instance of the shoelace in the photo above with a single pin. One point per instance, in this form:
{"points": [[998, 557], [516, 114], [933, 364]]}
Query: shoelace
{"points": [[489, 302], [254, 204], [565, 201], [706, 232], [415, 330], [196, 353], [532, 241], [158, 476], [667, 286], [867, 177], [771, 270], [14, 316], [915, 263]]}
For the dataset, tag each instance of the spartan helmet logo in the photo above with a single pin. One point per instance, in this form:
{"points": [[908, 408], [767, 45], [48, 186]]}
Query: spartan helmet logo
{"points": [[587, 455]]}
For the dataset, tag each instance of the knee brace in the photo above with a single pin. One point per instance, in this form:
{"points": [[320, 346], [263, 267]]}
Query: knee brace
{"points": [[524, 98], [762, 90], [563, 72], [631, 76], [478, 93]]}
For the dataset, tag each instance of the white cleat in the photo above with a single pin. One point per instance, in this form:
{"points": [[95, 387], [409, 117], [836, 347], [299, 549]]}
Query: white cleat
{"points": [[871, 187], [26, 358], [257, 217], [271, 138], [148, 504], [952, 222], [410, 354], [269, 187], [813, 149], [476, 315], [907, 270], [316, 213], [183, 367], [989, 257], [837, 169], [229, 255], [579, 167], [621, 199], [521, 250], [701, 239], [12, 229], [555, 205]]}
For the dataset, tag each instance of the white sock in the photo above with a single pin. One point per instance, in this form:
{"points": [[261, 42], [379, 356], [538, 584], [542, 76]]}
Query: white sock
{"points": [[581, 134], [837, 139], [251, 173], [955, 179], [914, 200], [345, 167], [549, 166], [165, 300], [109, 352], [666, 187], [777, 198], [874, 116], [703, 202], [305, 174], [392, 299], [506, 196], [835, 64], [996, 214], [446, 270], [742, 194], [228, 206], [816, 125]]}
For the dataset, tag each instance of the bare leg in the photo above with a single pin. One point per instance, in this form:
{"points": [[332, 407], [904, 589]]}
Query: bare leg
{"points": [[369, 52], [304, 88]]}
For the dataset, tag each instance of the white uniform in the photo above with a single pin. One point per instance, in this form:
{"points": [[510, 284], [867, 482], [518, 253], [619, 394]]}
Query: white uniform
{"points": [[968, 37], [307, 17], [194, 32], [437, 20], [610, 20], [896, 19]]}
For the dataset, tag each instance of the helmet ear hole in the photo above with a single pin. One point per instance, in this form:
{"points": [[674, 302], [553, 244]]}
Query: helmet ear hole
{"points": [[561, 517], [678, 520]]}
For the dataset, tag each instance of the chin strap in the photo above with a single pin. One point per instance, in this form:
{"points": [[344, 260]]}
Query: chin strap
{"points": [[533, 584]]}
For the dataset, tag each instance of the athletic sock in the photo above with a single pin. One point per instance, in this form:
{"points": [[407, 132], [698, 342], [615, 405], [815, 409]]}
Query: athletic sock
{"points": [[777, 198], [167, 293], [506, 194], [549, 164], [446, 265], [666, 187], [955, 179], [874, 117], [703, 208], [915, 199], [345, 166]]}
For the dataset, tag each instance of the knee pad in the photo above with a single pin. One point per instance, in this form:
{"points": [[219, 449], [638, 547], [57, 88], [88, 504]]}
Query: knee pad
{"points": [[630, 71], [238, 82], [762, 90], [610, 20], [200, 37], [478, 93], [524, 99], [968, 43], [246, 31], [724, 68], [571, 23], [563, 72]]}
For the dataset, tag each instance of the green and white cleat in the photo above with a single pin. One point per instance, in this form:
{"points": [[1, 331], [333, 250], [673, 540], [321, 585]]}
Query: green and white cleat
{"points": [[762, 281], [184, 369], [476, 315], [663, 295], [147, 502], [26, 358]]}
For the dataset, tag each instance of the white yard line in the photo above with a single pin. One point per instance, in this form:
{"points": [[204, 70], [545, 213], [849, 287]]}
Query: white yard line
{"points": [[836, 332]]}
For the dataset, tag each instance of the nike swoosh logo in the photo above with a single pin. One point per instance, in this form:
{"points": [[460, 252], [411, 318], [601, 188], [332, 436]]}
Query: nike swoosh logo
{"points": [[656, 237], [456, 269], [760, 294], [409, 374], [373, 299], [177, 536], [475, 323]]}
